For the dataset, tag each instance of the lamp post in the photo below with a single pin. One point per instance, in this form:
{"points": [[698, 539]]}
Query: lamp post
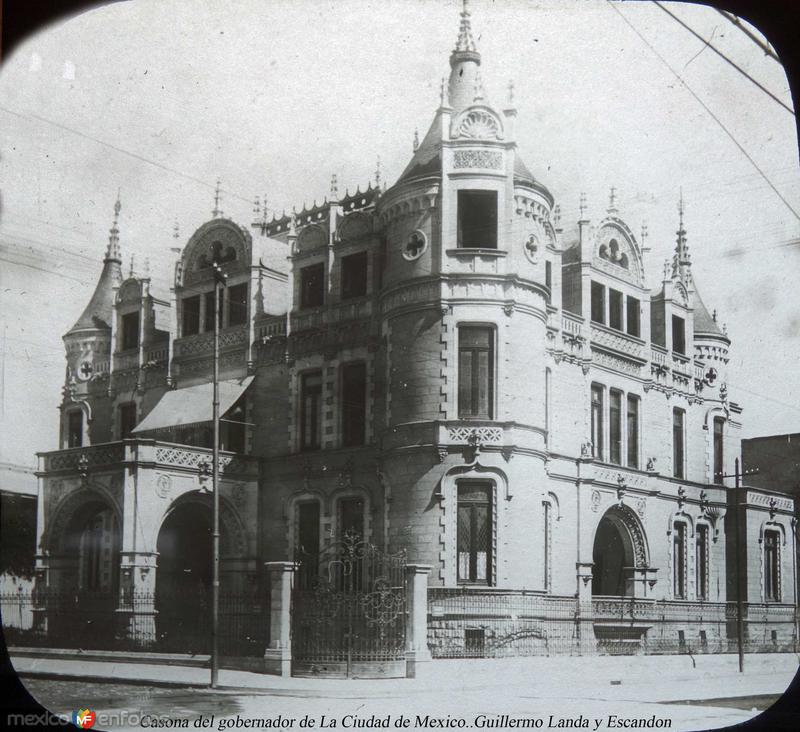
{"points": [[219, 282]]}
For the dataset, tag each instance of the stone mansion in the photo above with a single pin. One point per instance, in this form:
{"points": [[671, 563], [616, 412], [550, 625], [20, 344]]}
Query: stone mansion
{"points": [[442, 365]]}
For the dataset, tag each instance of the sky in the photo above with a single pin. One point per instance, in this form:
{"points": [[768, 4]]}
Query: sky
{"points": [[156, 99]]}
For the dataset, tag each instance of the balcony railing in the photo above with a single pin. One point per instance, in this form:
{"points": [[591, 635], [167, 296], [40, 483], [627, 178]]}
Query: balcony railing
{"points": [[617, 340], [124, 360], [203, 343]]}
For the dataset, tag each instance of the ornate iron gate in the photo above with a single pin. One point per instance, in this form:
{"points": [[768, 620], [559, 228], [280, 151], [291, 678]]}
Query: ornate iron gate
{"points": [[349, 612]]}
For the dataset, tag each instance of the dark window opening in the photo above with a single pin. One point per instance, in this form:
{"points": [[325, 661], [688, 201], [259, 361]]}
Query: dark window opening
{"points": [[75, 428], [354, 275], [233, 430], [719, 467], [548, 274], [678, 418], [678, 334], [474, 538], [615, 309], [772, 578], [311, 411], [191, 316], [701, 561], [634, 317], [127, 419], [351, 517], [354, 404], [477, 219], [615, 426], [237, 304], [312, 286], [307, 543], [633, 431], [598, 303], [130, 331], [475, 372], [597, 421], [679, 560]]}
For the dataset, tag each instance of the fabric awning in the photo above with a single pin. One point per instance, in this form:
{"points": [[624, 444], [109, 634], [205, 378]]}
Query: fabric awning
{"points": [[192, 405]]}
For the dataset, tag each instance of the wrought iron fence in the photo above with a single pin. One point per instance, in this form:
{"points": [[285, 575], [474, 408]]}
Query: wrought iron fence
{"points": [[171, 621], [476, 622]]}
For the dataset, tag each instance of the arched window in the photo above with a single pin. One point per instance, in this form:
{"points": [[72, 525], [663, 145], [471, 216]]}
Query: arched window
{"points": [[772, 566], [474, 539]]}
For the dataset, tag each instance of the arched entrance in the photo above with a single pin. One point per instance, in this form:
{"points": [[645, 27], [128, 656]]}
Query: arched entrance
{"points": [[619, 548], [183, 580]]}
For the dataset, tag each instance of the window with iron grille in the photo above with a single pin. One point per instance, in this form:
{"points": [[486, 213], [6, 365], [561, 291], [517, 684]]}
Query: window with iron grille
{"points": [[475, 371], [477, 219], [127, 419], [311, 410], [130, 331], [678, 437], [312, 286], [597, 421], [474, 540], [190, 323], [351, 517], [615, 426], [354, 403], [701, 561], [354, 275], [75, 428], [772, 576], [679, 560]]}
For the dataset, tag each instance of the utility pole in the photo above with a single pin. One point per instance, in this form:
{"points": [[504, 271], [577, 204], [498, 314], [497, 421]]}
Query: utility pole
{"points": [[219, 282]]}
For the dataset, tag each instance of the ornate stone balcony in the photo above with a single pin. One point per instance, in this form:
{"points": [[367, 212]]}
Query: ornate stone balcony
{"points": [[82, 458], [273, 326], [202, 344], [617, 341], [125, 360]]}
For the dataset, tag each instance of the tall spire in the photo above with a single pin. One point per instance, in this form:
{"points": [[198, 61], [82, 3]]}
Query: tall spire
{"points": [[465, 43], [113, 252], [217, 212], [681, 260], [464, 84]]}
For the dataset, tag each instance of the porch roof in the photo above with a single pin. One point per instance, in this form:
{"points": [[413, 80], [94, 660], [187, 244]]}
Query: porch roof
{"points": [[192, 405]]}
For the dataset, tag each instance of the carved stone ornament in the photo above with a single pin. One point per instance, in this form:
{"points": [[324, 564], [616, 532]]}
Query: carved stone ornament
{"points": [[478, 125], [595, 501], [641, 507], [163, 486], [651, 465], [491, 159]]}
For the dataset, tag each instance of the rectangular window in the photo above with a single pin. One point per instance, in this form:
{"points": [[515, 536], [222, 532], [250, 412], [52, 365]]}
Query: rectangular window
{"points": [[127, 419], [237, 304], [354, 275], [678, 432], [477, 219], [701, 561], [633, 431], [311, 411], [191, 316], [678, 335], [475, 372], [614, 309], [597, 421], [312, 286], [615, 426], [130, 331], [679, 560], [719, 466], [208, 322], [351, 517], [75, 428], [354, 404], [634, 317], [474, 538], [772, 577], [548, 274], [598, 303], [546, 548]]}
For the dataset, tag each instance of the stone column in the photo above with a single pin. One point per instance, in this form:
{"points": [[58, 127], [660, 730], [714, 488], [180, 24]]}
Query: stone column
{"points": [[278, 654], [416, 618]]}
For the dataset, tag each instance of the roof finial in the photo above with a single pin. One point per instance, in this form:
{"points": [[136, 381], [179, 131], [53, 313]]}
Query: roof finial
{"points": [[146, 269], [557, 216], [217, 212], [644, 233], [256, 206], [465, 42], [612, 201], [443, 93], [132, 270], [511, 91], [176, 231], [714, 315], [334, 189], [681, 260], [415, 144], [680, 208], [113, 251], [378, 173], [264, 209], [582, 205]]}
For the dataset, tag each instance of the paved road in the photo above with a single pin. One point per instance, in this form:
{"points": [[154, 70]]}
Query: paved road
{"points": [[134, 707]]}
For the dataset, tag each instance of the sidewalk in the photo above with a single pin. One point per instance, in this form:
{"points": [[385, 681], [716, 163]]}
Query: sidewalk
{"points": [[645, 678]]}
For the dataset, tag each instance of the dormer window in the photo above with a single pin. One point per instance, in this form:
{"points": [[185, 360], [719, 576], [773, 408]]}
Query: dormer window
{"points": [[130, 331], [477, 219]]}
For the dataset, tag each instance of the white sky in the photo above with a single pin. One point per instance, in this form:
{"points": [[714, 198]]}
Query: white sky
{"points": [[274, 96]]}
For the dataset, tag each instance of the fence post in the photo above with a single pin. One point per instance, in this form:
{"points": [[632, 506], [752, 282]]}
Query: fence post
{"points": [[584, 612], [416, 617], [278, 654]]}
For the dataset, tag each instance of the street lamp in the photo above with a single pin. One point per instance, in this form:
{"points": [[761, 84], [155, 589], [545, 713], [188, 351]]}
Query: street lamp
{"points": [[219, 282]]}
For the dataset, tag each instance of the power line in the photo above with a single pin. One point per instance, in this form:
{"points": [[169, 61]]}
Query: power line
{"points": [[725, 58], [761, 44], [705, 107]]}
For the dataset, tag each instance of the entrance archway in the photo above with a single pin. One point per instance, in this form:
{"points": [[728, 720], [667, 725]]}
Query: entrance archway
{"points": [[92, 540], [183, 580], [619, 548]]}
